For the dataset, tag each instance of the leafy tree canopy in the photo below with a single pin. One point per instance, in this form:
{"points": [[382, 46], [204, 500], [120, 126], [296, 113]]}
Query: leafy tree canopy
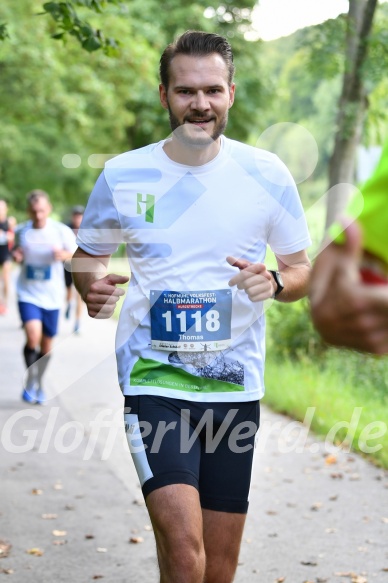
{"points": [[62, 105]]}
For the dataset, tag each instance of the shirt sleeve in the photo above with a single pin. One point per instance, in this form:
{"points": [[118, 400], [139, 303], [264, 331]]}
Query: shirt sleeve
{"points": [[100, 231], [288, 232]]}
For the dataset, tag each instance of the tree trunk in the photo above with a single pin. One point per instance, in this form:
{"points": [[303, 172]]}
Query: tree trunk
{"points": [[352, 107]]}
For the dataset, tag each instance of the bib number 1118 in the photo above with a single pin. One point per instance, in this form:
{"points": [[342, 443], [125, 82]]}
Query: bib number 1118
{"points": [[211, 320]]}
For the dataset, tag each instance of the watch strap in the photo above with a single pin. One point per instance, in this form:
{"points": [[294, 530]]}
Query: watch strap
{"points": [[279, 282]]}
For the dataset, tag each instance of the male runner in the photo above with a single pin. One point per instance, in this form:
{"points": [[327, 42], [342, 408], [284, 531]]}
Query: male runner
{"points": [[41, 247], [196, 211]]}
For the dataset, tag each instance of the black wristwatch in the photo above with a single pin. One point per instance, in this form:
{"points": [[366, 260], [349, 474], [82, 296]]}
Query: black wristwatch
{"points": [[279, 282]]}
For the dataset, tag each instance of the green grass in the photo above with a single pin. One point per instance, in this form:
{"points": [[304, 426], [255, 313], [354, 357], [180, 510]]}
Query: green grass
{"points": [[292, 386]]}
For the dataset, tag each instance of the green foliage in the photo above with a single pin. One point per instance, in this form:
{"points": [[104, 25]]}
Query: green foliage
{"points": [[304, 79], [3, 31], [300, 96], [376, 66], [362, 371], [291, 333], [292, 337], [376, 127], [324, 45], [59, 100], [68, 22]]}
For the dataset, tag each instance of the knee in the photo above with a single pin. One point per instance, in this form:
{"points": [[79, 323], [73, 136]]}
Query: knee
{"points": [[188, 560], [183, 558]]}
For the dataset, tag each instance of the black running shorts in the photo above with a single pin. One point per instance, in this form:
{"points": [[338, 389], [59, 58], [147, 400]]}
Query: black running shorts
{"points": [[206, 445]]}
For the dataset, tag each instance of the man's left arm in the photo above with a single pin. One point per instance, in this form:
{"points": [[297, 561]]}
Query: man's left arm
{"points": [[295, 272], [260, 283]]}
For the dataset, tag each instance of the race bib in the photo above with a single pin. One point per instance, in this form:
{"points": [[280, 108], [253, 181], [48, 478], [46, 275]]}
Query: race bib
{"points": [[191, 321], [38, 272]]}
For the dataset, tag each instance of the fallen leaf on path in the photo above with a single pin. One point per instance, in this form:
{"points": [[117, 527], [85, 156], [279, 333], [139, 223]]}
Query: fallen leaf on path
{"points": [[136, 539], [98, 577], [4, 549], [89, 536], [102, 550], [49, 516], [59, 542], [147, 527], [385, 520], [309, 563], [59, 532], [35, 551], [58, 487], [36, 492], [330, 460], [7, 571]]}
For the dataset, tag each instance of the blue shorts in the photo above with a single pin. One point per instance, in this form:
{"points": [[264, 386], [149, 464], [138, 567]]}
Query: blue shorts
{"points": [[49, 318], [206, 445]]}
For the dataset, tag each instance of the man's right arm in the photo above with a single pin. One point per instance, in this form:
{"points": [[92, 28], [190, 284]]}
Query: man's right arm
{"points": [[97, 287]]}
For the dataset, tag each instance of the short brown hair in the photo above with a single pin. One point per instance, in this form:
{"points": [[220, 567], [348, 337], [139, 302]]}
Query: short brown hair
{"points": [[196, 43], [34, 195]]}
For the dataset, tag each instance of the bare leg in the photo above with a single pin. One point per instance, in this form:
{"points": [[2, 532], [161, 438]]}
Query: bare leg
{"points": [[176, 516], [222, 532], [6, 278], [33, 330]]}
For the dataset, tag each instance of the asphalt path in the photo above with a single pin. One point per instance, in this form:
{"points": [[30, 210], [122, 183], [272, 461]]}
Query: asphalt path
{"points": [[71, 508]]}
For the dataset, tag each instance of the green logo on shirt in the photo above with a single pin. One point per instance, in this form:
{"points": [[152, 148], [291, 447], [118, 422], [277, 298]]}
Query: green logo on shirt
{"points": [[146, 203]]}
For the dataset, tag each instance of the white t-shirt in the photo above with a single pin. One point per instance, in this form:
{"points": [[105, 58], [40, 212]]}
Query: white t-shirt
{"points": [[41, 278], [183, 332]]}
